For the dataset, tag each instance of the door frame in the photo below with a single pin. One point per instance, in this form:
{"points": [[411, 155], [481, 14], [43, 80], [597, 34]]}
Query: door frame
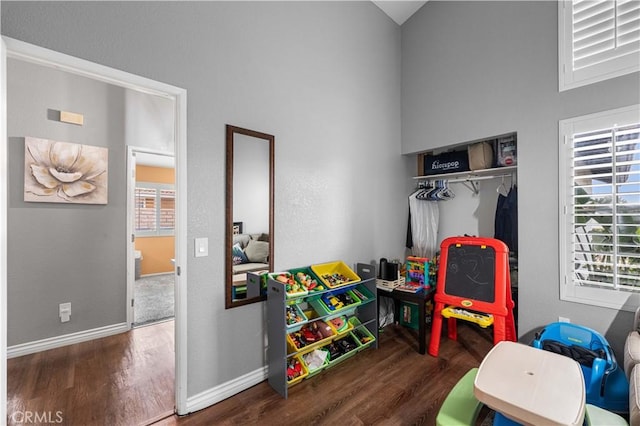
{"points": [[31, 53], [131, 186], [3, 229]]}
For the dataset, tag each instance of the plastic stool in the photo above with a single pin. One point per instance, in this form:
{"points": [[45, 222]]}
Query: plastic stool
{"points": [[460, 408]]}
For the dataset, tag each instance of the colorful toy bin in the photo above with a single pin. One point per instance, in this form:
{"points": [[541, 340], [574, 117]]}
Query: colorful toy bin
{"points": [[296, 370], [310, 336], [335, 274]]}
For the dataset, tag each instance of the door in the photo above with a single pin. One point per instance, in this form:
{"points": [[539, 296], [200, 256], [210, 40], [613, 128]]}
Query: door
{"points": [[151, 195]]}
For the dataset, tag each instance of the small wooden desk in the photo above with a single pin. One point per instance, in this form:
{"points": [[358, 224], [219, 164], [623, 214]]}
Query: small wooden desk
{"points": [[420, 298], [531, 386]]}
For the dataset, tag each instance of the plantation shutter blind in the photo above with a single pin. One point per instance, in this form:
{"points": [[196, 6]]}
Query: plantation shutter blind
{"points": [[601, 40], [604, 30], [167, 209], [606, 208], [145, 209]]}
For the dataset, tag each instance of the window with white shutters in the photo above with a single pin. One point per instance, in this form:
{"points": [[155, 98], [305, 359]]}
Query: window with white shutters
{"points": [[597, 40], [154, 209], [600, 207]]}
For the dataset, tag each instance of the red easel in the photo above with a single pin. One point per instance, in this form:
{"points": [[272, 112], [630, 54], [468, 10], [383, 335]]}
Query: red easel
{"points": [[499, 303]]}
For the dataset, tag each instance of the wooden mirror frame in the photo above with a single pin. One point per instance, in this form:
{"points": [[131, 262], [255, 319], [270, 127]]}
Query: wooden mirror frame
{"points": [[231, 131]]}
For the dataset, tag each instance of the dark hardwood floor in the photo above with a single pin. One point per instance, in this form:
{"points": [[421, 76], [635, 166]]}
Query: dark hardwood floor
{"points": [[393, 385], [128, 380]]}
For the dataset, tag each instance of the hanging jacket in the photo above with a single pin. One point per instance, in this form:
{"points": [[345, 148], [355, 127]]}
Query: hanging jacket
{"points": [[506, 220]]}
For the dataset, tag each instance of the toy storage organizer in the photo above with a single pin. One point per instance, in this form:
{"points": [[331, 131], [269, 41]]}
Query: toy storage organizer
{"points": [[312, 311]]}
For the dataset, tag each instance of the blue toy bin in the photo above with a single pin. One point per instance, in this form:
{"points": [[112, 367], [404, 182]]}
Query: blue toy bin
{"points": [[605, 383]]}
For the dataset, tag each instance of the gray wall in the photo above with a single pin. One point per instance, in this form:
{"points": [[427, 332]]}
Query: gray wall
{"points": [[64, 252], [477, 69], [323, 77]]}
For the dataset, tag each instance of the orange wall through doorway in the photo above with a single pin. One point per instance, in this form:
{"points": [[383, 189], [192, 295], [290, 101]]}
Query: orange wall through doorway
{"points": [[157, 251]]}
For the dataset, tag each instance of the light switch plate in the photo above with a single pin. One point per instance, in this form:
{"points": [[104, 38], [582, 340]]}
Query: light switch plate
{"points": [[201, 247]]}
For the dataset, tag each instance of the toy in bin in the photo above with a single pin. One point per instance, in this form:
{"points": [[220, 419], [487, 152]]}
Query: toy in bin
{"points": [[335, 279], [293, 315], [340, 323], [337, 301], [340, 347], [294, 369], [363, 337], [316, 359], [306, 280], [292, 287], [310, 334]]}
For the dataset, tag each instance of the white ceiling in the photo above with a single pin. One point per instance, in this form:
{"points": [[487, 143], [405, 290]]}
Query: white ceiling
{"points": [[399, 10], [154, 160]]}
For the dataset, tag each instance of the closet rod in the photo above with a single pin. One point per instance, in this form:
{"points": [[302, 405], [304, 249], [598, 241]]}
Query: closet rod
{"points": [[476, 178], [470, 181]]}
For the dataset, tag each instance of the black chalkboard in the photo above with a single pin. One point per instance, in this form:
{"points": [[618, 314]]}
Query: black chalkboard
{"points": [[470, 272]]}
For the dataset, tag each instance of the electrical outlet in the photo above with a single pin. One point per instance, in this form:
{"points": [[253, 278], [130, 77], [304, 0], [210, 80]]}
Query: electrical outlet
{"points": [[563, 319], [64, 311]]}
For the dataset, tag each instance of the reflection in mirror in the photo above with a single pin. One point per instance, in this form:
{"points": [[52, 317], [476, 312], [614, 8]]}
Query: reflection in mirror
{"points": [[249, 212]]}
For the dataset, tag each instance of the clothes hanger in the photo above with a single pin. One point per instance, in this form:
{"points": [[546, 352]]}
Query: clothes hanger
{"points": [[423, 194], [434, 195], [442, 192], [447, 193]]}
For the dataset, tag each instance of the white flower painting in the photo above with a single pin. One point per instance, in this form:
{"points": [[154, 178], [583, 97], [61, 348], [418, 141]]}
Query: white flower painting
{"points": [[63, 172]]}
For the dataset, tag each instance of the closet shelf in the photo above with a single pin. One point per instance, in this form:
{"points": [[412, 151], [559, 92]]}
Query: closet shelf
{"points": [[472, 175]]}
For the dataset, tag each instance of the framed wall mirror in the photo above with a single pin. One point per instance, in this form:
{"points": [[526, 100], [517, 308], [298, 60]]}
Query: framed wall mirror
{"points": [[249, 212]]}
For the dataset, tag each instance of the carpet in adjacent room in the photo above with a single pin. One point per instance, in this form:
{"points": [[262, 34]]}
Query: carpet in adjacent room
{"points": [[153, 299]]}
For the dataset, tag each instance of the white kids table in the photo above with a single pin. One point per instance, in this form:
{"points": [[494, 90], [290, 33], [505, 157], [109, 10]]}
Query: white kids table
{"points": [[531, 386]]}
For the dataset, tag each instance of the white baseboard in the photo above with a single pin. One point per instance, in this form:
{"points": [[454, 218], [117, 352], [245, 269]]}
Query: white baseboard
{"points": [[64, 340], [157, 274], [225, 390]]}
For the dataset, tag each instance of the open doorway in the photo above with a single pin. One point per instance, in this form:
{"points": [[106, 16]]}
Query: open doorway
{"points": [[15, 347], [151, 208]]}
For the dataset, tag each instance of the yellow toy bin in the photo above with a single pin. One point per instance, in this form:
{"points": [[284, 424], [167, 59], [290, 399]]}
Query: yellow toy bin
{"points": [[325, 329], [328, 273], [303, 374]]}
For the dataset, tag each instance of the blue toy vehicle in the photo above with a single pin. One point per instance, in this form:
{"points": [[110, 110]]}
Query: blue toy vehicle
{"points": [[605, 382]]}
